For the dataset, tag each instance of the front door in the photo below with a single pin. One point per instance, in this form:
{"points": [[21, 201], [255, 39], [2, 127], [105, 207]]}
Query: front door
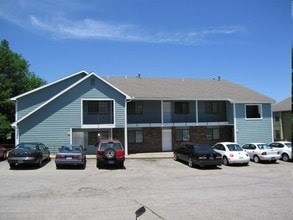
{"points": [[166, 139]]}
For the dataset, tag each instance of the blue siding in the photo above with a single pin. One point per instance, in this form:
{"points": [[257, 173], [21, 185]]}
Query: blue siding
{"points": [[28, 103], [258, 130], [51, 124]]}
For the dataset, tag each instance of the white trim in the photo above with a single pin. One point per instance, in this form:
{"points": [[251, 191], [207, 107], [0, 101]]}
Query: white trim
{"points": [[47, 85], [64, 91], [97, 125], [235, 124], [259, 109]]}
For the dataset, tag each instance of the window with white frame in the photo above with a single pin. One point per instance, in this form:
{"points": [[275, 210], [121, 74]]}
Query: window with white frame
{"points": [[213, 134], [253, 111], [182, 134], [135, 136]]}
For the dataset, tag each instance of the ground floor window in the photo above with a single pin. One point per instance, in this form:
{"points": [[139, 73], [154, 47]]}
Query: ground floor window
{"points": [[182, 135], [95, 136], [135, 136], [213, 134]]}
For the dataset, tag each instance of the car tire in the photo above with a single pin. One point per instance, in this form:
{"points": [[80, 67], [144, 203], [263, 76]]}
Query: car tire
{"points": [[109, 153], [256, 159], [40, 162], [12, 165], [225, 161], [190, 163], [285, 157], [175, 157], [121, 164]]}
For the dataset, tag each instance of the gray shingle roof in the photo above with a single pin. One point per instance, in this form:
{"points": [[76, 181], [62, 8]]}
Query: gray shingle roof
{"points": [[194, 89], [283, 106]]}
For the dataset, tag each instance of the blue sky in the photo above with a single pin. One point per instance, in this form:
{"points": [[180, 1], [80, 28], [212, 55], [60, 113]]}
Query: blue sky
{"points": [[243, 41]]}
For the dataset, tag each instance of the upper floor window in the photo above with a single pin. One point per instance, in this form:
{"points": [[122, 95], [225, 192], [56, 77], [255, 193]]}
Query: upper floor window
{"points": [[212, 107], [135, 108], [253, 111], [98, 107], [181, 108]]}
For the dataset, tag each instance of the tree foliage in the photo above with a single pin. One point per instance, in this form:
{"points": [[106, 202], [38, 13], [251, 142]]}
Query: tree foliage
{"points": [[15, 79]]}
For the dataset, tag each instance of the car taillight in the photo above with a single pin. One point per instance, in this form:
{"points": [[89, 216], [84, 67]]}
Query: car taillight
{"points": [[77, 157], [202, 158], [11, 154], [219, 156], [231, 155], [247, 155], [100, 154], [264, 153], [59, 156]]}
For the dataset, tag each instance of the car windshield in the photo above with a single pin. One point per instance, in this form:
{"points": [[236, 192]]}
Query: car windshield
{"points": [[234, 147], [27, 146], [264, 146], [70, 149], [116, 146]]}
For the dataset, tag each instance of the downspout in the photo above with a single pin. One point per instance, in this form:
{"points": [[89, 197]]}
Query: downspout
{"points": [[235, 124], [125, 127]]}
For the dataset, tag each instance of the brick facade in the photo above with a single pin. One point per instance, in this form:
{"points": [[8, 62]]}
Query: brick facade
{"points": [[152, 138]]}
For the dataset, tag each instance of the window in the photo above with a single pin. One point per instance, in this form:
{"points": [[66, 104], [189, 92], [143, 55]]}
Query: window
{"points": [[98, 107], [135, 108], [95, 136], [253, 111], [213, 134], [135, 136], [181, 108], [277, 116], [212, 107], [182, 135]]}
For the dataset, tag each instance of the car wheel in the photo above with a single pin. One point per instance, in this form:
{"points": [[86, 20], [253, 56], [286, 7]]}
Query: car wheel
{"points": [[121, 164], [285, 157], [175, 157], [225, 161], [190, 163], [109, 153], [256, 159], [12, 165], [99, 164], [40, 162]]}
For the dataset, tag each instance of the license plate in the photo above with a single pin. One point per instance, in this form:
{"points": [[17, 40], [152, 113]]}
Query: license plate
{"points": [[240, 157], [211, 158], [110, 162], [273, 158], [68, 158], [20, 161]]}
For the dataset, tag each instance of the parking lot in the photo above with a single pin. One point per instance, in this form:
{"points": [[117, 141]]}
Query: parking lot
{"points": [[167, 189]]}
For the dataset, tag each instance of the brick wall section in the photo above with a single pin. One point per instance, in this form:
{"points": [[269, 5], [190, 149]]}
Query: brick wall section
{"points": [[152, 142], [198, 136], [152, 138]]}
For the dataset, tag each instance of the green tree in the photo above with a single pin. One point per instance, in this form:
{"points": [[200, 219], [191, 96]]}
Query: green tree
{"points": [[15, 79]]}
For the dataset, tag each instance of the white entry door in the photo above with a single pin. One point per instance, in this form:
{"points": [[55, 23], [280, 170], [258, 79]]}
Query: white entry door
{"points": [[167, 139]]}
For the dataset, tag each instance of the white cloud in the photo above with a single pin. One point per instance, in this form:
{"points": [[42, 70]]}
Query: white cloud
{"points": [[45, 17], [95, 29]]}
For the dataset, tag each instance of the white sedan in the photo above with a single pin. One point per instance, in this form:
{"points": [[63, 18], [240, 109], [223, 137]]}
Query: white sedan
{"points": [[232, 153], [261, 152], [285, 149]]}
